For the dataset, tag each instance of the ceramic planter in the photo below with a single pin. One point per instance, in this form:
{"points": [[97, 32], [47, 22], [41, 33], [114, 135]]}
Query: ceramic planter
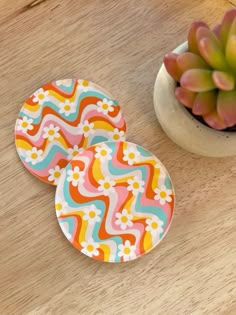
{"points": [[182, 127]]}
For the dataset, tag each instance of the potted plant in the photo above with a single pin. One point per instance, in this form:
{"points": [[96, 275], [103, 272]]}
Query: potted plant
{"points": [[195, 90]]}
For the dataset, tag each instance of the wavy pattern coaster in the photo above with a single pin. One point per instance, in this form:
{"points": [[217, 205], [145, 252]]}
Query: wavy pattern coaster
{"points": [[60, 119], [114, 201]]}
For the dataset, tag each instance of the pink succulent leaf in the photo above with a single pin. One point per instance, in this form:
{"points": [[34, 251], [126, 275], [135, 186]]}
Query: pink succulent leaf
{"points": [[217, 31], [204, 103], [223, 80], [203, 32], [170, 62], [185, 97], [190, 60], [192, 39], [230, 52], [213, 54], [197, 80], [226, 107], [214, 121], [226, 25]]}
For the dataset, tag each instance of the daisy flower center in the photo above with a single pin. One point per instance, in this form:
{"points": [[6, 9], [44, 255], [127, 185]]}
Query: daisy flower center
{"points": [[92, 214], [24, 124], [57, 174], [75, 153], [41, 96], [162, 194], [103, 152], [105, 106], [127, 250], [85, 83], [34, 155], [107, 185], [51, 132], [67, 107], [116, 137], [90, 248], [154, 225], [86, 128], [76, 176], [136, 185], [131, 155], [124, 219], [58, 206]]}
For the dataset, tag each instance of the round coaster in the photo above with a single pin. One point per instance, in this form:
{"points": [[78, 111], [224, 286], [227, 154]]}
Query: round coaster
{"points": [[62, 118], [114, 201]]}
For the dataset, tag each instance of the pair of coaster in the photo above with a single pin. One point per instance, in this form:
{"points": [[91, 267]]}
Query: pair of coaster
{"points": [[114, 199]]}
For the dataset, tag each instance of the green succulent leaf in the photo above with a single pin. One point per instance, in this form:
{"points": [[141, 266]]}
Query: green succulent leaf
{"points": [[223, 80], [213, 120], [229, 17], [226, 107], [170, 62], [197, 80], [192, 38], [231, 52], [204, 103], [185, 97], [190, 60]]}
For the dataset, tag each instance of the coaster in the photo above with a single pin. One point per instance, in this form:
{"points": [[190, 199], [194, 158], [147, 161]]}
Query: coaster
{"points": [[114, 201], [62, 118]]}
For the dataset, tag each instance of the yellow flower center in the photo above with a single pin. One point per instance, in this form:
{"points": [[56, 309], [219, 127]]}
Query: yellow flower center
{"points": [[75, 153], [127, 250], [116, 137], [103, 152], [34, 155], [67, 107], [40, 96], [124, 219], [92, 214], [76, 176], [57, 174], [24, 124], [58, 206], [90, 248], [136, 185], [154, 225], [86, 128], [85, 83], [131, 155], [105, 106], [163, 194], [51, 132], [107, 185]]}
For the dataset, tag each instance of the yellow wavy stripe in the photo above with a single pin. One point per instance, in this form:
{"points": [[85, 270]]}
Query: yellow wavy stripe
{"points": [[58, 96], [96, 171], [147, 244], [106, 250], [103, 125], [21, 144], [128, 205], [83, 230], [32, 108], [61, 140], [123, 179]]}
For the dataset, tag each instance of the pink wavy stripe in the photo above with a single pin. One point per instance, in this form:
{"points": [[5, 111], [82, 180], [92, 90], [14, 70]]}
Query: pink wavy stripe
{"points": [[95, 113], [44, 172]]}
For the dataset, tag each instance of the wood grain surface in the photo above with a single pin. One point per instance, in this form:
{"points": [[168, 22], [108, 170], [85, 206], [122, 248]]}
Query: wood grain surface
{"points": [[119, 45]]}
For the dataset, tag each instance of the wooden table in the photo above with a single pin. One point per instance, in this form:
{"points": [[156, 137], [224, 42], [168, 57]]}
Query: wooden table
{"points": [[120, 45]]}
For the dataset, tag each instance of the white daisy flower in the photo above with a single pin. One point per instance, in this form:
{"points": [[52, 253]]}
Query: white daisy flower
{"points": [[155, 226], [34, 156], [24, 124], [75, 176], [66, 82], [72, 152], [51, 132], [136, 185], [90, 248], [127, 251], [131, 155], [106, 186], [105, 106], [124, 219], [117, 135], [55, 174], [67, 108], [92, 214], [86, 128], [60, 206], [83, 85], [103, 152], [41, 96], [163, 194]]}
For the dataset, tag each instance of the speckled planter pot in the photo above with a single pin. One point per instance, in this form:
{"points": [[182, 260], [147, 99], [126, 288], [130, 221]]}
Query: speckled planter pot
{"points": [[182, 127]]}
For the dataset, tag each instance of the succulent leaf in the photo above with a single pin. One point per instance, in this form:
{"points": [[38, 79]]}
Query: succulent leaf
{"points": [[170, 61], [197, 80], [231, 52], [213, 120], [226, 107], [223, 80], [192, 38], [190, 60], [185, 97], [217, 31], [226, 25], [204, 103]]}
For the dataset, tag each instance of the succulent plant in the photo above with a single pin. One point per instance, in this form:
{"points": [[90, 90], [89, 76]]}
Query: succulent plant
{"points": [[206, 73]]}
